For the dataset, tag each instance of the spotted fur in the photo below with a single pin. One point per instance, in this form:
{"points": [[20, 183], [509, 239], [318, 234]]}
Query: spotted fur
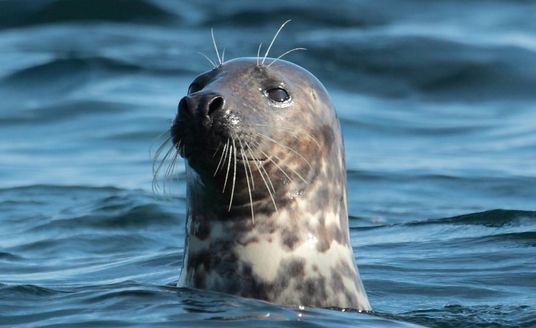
{"points": [[272, 222]]}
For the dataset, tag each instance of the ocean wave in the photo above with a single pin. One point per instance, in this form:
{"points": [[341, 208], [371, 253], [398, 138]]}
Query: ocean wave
{"points": [[67, 110], [58, 188], [484, 180], [93, 208], [173, 306], [20, 13], [437, 108], [74, 245], [495, 218], [71, 72], [503, 315], [124, 215], [70, 67], [396, 66], [9, 257], [302, 16], [26, 290], [391, 126]]}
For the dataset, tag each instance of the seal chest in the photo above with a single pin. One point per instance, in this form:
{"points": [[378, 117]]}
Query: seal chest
{"points": [[266, 187]]}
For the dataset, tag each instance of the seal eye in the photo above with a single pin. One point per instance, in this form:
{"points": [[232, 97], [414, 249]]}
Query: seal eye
{"points": [[194, 87], [278, 94]]}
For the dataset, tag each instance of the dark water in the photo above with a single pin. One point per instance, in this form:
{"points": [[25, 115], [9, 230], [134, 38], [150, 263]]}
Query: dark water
{"points": [[438, 106]]}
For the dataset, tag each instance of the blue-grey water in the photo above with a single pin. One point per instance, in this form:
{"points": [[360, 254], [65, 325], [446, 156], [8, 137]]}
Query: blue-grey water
{"points": [[438, 105]]}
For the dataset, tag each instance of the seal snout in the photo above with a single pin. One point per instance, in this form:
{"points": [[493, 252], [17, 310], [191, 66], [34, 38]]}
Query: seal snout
{"points": [[194, 126], [201, 106]]}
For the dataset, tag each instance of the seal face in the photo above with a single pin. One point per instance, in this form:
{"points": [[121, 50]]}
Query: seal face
{"points": [[266, 187]]}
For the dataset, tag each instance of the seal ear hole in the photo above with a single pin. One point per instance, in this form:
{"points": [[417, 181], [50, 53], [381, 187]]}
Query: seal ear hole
{"points": [[278, 94]]}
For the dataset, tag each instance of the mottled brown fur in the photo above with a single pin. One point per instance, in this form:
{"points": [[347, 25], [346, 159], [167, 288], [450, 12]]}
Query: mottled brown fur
{"points": [[298, 253]]}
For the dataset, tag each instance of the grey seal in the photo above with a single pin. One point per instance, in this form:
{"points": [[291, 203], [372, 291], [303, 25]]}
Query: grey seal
{"points": [[266, 187]]}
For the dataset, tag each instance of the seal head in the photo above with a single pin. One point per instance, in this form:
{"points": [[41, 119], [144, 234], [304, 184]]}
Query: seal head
{"points": [[266, 187]]}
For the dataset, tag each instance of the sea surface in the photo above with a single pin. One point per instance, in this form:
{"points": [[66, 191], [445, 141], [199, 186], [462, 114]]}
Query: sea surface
{"points": [[437, 101]]}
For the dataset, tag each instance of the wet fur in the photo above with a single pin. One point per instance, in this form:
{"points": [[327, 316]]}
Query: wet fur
{"points": [[266, 189]]}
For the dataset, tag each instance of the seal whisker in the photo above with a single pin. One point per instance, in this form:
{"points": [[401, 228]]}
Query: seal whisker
{"points": [[293, 170], [234, 175], [245, 160], [159, 182], [215, 46], [171, 165], [223, 56], [161, 146], [216, 151], [159, 167], [259, 53], [287, 147], [228, 165], [273, 40], [159, 151], [174, 162], [162, 135], [169, 171], [281, 169], [293, 132], [209, 60], [284, 54], [253, 159], [247, 181], [223, 152], [263, 170], [260, 169], [278, 166], [269, 157], [249, 167]]}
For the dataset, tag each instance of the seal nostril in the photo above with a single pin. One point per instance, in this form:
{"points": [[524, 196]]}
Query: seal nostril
{"points": [[183, 106], [215, 104]]}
